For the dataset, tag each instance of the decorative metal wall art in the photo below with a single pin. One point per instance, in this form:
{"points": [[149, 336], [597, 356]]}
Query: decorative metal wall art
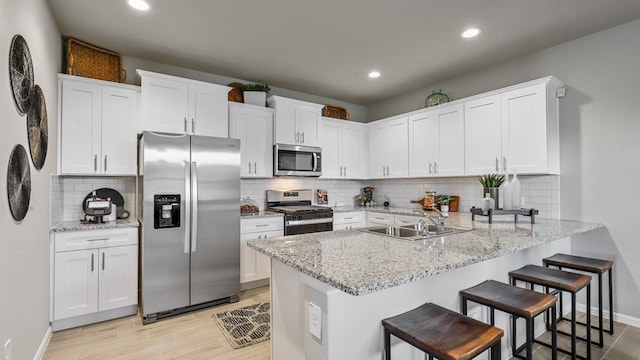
{"points": [[30, 101], [19, 183]]}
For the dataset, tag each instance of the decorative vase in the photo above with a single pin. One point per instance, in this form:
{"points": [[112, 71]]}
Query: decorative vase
{"points": [[444, 209], [494, 193], [436, 98]]}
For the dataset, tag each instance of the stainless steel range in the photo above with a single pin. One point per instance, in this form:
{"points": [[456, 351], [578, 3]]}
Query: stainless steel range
{"points": [[300, 217]]}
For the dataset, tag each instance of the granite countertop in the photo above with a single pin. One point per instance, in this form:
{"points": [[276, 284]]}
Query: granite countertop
{"points": [[78, 226], [261, 214], [360, 263]]}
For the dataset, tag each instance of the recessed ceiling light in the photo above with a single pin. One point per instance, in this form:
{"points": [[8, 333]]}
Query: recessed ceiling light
{"points": [[139, 4], [374, 74], [471, 32]]}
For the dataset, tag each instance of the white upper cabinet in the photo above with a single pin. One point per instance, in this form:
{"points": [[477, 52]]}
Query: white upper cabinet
{"points": [[389, 148], [183, 106], [514, 130], [344, 149], [296, 122], [436, 142], [253, 125], [97, 127]]}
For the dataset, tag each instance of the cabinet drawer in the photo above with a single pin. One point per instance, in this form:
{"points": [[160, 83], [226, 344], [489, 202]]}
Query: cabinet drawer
{"points": [[261, 225], [374, 218], [349, 217], [93, 239], [406, 219]]}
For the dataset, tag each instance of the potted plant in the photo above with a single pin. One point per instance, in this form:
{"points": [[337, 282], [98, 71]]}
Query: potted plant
{"points": [[255, 94], [491, 184], [443, 201]]}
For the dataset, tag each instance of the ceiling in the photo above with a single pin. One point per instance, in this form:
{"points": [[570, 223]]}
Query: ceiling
{"points": [[327, 47]]}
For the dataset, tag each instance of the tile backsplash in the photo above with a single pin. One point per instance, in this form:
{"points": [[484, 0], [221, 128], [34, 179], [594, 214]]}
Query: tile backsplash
{"points": [[540, 192]]}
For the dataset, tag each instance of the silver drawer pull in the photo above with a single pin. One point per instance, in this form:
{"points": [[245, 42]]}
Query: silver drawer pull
{"points": [[99, 239], [349, 218], [262, 225]]}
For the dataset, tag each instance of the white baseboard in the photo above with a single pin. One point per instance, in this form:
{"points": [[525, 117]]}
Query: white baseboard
{"points": [[625, 319], [43, 345]]}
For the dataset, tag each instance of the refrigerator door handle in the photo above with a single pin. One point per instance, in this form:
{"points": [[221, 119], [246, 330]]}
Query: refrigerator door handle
{"points": [[187, 206], [194, 206]]}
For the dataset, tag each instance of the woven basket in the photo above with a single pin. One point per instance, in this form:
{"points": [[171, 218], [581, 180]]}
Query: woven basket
{"points": [[93, 62], [236, 94], [334, 111]]}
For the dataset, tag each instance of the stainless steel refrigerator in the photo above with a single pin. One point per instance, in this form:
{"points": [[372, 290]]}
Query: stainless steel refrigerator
{"points": [[190, 222]]}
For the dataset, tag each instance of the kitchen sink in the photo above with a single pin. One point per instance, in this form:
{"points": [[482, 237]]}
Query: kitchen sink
{"points": [[411, 232]]}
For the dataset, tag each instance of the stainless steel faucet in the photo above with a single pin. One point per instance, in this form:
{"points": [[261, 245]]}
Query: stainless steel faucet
{"points": [[439, 221]]}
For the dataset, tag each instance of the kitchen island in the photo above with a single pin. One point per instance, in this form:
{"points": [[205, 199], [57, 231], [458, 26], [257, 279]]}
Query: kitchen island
{"points": [[358, 278]]}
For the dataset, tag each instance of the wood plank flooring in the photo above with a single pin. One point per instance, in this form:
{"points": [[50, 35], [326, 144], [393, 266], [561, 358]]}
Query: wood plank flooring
{"points": [[187, 337], [196, 336]]}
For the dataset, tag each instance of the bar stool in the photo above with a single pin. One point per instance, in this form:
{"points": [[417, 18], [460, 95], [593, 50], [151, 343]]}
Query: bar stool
{"points": [[442, 333], [559, 281], [590, 265], [518, 302]]}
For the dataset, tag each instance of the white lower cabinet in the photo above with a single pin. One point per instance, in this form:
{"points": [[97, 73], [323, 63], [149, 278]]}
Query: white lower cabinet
{"points": [[94, 271], [376, 218], [349, 220], [254, 265]]}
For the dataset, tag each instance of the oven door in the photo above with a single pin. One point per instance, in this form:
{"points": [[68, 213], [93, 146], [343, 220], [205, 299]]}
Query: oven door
{"points": [[296, 160], [295, 227]]}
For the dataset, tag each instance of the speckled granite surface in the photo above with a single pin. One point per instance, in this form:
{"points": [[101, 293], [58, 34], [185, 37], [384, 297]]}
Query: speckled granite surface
{"points": [[78, 226], [360, 263], [261, 214]]}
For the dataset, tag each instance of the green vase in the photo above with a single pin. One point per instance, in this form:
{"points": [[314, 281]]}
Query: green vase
{"points": [[436, 98]]}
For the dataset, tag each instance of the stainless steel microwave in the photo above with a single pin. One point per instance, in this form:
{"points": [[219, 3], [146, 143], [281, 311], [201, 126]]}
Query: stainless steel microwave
{"points": [[296, 160]]}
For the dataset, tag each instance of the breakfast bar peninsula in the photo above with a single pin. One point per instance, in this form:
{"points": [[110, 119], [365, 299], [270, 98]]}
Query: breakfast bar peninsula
{"points": [[330, 290]]}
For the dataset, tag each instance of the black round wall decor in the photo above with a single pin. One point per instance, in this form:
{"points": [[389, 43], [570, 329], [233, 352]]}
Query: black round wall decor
{"points": [[37, 128], [19, 183], [21, 73]]}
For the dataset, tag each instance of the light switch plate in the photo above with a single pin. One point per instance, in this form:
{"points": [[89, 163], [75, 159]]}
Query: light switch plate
{"points": [[315, 320]]}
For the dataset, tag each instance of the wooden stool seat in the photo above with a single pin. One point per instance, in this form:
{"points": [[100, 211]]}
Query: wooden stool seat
{"points": [[442, 333], [516, 301], [594, 266], [560, 281]]}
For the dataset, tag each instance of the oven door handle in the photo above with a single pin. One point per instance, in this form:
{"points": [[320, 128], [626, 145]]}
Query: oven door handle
{"points": [[308, 221]]}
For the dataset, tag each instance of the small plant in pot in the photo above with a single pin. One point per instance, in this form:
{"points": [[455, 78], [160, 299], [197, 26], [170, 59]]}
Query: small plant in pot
{"points": [[443, 201], [491, 183], [255, 94]]}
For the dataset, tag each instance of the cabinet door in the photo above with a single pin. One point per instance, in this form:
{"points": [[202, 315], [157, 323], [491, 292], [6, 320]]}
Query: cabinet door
{"points": [[524, 130], [254, 265], [118, 269], [482, 136], [208, 110], [75, 283], [165, 105], [353, 151], [449, 141], [377, 151], [285, 125], [396, 145], [330, 142], [254, 127], [119, 139], [422, 152], [307, 123], [80, 128]]}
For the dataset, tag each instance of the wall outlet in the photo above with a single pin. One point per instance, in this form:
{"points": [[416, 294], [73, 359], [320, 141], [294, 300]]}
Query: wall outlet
{"points": [[315, 320], [7, 350]]}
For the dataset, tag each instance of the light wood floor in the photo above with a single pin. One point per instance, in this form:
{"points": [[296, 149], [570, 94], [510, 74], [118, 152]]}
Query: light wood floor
{"points": [[185, 337], [196, 336]]}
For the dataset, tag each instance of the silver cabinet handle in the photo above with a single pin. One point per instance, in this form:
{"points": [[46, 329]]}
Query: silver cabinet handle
{"points": [[345, 171], [430, 168], [504, 163], [95, 163], [255, 168], [193, 125], [98, 239], [349, 218], [249, 167], [383, 169], [105, 163], [340, 170], [387, 170], [436, 168], [103, 260], [262, 225], [185, 125], [259, 237], [297, 137], [91, 261], [302, 138], [265, 236], [497, 164]]}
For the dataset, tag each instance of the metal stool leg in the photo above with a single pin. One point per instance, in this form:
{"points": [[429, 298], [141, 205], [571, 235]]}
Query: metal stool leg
{"points": [[387, 345], [600, 312], [589, 321], [610, 301]]}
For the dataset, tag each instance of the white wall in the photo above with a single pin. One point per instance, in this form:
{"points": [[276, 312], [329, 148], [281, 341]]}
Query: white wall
{"points": [[599, 132], [24, 246]]}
